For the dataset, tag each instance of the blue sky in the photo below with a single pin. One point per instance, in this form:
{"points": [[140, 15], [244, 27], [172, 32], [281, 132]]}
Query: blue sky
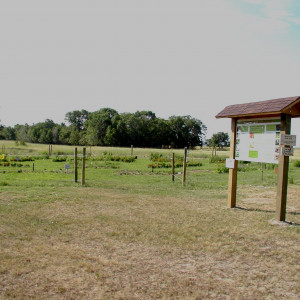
{"points": [[173, 57]]}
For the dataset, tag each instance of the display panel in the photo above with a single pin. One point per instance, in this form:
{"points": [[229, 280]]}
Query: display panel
{"points": [[258, 141]]}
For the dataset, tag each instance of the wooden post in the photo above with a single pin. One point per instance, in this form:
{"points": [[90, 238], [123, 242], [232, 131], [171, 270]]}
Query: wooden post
{"points": [[49, 150], [232, 182], [173, 167], [83, 167], [131, 150], [283, 167], [184, 166], [75, 165]]}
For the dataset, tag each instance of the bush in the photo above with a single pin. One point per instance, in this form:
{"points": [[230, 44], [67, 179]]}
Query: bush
{"points": [[297, 163], [155, 156], [222, 169], [217, 159], [160, 165], [45, 155], [59, 159]]}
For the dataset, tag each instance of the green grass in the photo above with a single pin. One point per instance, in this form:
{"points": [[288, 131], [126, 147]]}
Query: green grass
{"points": [[131, 233]]}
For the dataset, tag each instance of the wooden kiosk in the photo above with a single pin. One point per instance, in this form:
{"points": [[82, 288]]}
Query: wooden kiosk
{"points": [[260, 131]]}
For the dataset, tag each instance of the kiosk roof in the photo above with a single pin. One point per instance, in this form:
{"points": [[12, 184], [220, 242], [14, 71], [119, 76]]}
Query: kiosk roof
{"points": [[289, 105]]}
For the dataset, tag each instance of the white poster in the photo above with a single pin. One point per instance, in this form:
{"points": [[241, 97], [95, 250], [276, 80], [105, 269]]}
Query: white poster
{"points": [[258, 141]]}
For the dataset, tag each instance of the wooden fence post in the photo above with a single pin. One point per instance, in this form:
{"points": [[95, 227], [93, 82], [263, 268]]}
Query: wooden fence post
{"points": [[131, 150], [232, 181], [184, 166], [283, 168], [83, 167], [75, 165], [173, 167]]}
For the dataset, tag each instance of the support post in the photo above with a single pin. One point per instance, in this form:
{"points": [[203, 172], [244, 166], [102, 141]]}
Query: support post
{"points": [[131, 150], [184, 167], [232, 182], [173, 167], [75, 165], [83, 167], [283, 168]]}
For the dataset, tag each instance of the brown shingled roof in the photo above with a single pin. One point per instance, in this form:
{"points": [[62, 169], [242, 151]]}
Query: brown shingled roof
{"points": [[289, 105]]}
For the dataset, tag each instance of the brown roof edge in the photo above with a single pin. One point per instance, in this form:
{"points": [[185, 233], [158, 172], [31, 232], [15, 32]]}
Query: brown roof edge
{"points": [[263, 108]]}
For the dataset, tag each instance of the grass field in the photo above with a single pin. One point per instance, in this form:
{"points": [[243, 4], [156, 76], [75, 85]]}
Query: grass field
{"points": [[130, 233]]}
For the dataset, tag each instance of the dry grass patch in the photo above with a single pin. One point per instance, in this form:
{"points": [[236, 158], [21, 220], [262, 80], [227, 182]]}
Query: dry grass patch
{"points": [[97, 243]]}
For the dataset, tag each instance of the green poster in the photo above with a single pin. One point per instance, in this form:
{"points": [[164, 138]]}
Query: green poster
{"points": [[243, 128], [271, 127], [253, 154], [257, 129]]}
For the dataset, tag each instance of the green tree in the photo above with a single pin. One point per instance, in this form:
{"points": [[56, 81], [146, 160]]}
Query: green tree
{"points": [[77, 118], [97, 124], [220, 140], [186, 131]]}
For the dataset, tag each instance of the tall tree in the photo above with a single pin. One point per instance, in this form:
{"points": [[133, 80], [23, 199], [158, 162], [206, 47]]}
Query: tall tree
{"points": [[186, 131], [220, 140], [97, 125], [77, 118]]}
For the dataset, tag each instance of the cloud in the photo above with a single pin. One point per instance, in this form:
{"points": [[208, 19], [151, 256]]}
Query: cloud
{"points": [[276, 15]]}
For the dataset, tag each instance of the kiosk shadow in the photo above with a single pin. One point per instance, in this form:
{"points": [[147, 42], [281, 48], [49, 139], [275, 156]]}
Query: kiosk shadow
{"points": [[270, 212]]}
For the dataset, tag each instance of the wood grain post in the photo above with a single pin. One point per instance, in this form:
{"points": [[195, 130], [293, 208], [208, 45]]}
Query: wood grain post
{"points": [[232, 181], [83, 167], [173, 167], [184, 167], [283, 168], [75, 165]]}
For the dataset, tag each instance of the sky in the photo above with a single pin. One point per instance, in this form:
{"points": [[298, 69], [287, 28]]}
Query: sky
{"points": [[173, 57]]}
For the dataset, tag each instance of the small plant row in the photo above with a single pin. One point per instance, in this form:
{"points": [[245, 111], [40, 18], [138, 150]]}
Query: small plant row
{"points": [[4, 158], [160, 165], [8, 164], [247, 166], [128, 159]]}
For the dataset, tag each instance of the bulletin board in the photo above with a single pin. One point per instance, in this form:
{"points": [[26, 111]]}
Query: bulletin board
{"points": [[258, 141]]}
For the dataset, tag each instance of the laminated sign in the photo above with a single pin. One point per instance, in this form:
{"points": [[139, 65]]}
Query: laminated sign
{"points": [[258, 141]]}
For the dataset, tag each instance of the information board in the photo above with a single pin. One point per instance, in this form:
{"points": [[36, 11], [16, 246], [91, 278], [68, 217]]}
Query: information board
{"points": [[258, 141]]}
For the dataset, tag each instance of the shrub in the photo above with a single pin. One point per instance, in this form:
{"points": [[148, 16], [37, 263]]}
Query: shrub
{"points": [[297, 163], [222, 169], [155, 156], [45, 155], [217, 159], [59, 159]]}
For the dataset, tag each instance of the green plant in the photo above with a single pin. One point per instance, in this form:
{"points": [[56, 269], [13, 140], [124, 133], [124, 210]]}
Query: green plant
{"points": [[297, 163], [59, 159], [222, 169], [217, 159]]}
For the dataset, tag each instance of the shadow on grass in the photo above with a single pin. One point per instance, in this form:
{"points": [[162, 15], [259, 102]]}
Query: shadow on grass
{"points": [[270, 212], [255, 209]]}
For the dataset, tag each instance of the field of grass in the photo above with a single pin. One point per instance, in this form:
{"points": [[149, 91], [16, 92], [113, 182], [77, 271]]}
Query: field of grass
{"points": [[131, 233]]}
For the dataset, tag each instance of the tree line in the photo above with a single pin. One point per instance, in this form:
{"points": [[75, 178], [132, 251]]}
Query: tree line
{"points": [[107, 127]]}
